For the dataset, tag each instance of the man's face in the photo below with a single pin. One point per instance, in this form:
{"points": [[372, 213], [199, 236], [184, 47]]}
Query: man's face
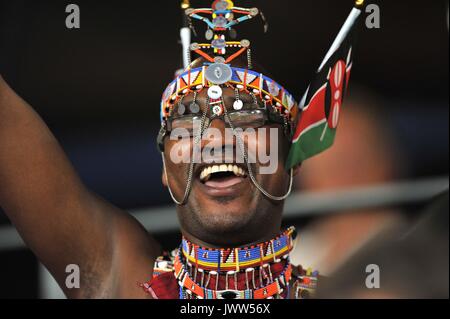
{"points": [[224, 207]]}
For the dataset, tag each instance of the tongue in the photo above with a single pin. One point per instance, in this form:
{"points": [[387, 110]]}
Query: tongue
{"points": [[223, 182]]}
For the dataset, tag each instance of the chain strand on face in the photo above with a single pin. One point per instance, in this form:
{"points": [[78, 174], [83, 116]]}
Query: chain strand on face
{"points": [[197, 139], [250, 171]]}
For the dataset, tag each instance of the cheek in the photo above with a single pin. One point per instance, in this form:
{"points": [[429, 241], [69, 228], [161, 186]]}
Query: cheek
{"points": [[178, 152], [269, 147], [269, 143], [177, 158]]}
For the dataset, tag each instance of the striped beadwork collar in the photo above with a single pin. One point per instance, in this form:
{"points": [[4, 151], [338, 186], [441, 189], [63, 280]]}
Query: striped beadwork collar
{"points": [[190, 289], [238, 259], [246, 271]]}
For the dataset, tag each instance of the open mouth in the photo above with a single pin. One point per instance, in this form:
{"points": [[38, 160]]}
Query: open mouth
{"points": [[222, 176]]}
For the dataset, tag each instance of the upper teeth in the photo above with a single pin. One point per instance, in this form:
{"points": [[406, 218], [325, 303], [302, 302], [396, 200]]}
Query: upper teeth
{"points": [[207, 171]]}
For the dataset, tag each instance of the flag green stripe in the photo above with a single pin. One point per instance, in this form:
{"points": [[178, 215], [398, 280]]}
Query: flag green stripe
{"points": [[310, 144]]}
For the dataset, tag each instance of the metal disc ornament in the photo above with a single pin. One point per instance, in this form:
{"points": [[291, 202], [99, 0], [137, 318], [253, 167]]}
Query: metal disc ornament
{"points": [[221, 6], [194, 108], [245, 43], [219, 44], [254, 12], [218, 73], [181, 109], [194, 46], [220, 22]]}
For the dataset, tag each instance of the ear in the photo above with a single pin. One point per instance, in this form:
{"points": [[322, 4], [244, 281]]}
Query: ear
{"points": [[164, 176], [296, 169]]}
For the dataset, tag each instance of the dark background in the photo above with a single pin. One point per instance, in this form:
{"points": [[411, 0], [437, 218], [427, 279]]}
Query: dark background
{"points": [[98, 88]]}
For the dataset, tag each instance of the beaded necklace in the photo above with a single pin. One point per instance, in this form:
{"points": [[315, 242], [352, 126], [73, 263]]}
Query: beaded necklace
{"points": [[261, 271], [247, 272]]}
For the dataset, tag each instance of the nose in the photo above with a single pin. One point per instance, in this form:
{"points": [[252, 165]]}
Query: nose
{"points": [[214, 134], [217, 139]]}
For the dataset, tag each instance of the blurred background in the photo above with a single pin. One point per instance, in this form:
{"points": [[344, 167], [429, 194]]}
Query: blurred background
{"points": [[98, 88]]}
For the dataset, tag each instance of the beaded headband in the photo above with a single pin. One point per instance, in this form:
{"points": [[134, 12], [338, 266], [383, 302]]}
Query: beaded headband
{"points": [[314, 130], [273, 94]]}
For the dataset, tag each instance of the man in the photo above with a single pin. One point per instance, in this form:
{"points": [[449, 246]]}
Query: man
{"points": [[222, 200]]}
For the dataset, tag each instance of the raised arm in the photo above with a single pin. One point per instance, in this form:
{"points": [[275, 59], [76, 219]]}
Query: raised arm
{"points": [[59, 219]]}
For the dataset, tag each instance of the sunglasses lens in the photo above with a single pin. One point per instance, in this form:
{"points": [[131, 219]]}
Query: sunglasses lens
{"points": [[190, 124], [248, 119]]}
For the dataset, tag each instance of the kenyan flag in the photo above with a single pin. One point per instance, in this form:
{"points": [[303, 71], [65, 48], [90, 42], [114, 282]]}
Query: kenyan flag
{"points": [[322, 102]]}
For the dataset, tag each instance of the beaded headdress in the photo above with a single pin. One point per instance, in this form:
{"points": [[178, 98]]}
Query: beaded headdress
{"points": [[321, 105]]}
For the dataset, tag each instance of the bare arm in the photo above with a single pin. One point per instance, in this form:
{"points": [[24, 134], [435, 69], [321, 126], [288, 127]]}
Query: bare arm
{"points": [[59, 219]]}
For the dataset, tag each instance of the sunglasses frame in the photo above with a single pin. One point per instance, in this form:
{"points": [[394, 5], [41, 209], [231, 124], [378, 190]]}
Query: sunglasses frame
{"points": [[269, 118]]}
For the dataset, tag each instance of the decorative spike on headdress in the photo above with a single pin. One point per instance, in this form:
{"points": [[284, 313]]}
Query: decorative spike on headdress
{"points": [[222, 17], [217, 70], [321, 105]]}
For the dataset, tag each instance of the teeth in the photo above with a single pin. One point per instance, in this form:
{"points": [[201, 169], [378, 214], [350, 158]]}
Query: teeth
{"points": [[205, 175]]}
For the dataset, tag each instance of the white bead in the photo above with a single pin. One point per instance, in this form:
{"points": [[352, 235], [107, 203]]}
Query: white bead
{"points": [[215, 92], [237, 105]]}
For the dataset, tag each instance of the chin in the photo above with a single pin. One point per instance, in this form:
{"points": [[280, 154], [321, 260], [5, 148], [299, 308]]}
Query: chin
{"points": [[226, 217], [224, 222]]}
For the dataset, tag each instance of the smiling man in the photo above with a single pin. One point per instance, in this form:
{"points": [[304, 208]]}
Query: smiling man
{"points": [[223, 206], [231, 141]]}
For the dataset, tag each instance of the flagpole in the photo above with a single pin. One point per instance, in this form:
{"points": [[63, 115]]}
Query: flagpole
{"points": [[352, 18], [315, 131], [185, 34]]}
